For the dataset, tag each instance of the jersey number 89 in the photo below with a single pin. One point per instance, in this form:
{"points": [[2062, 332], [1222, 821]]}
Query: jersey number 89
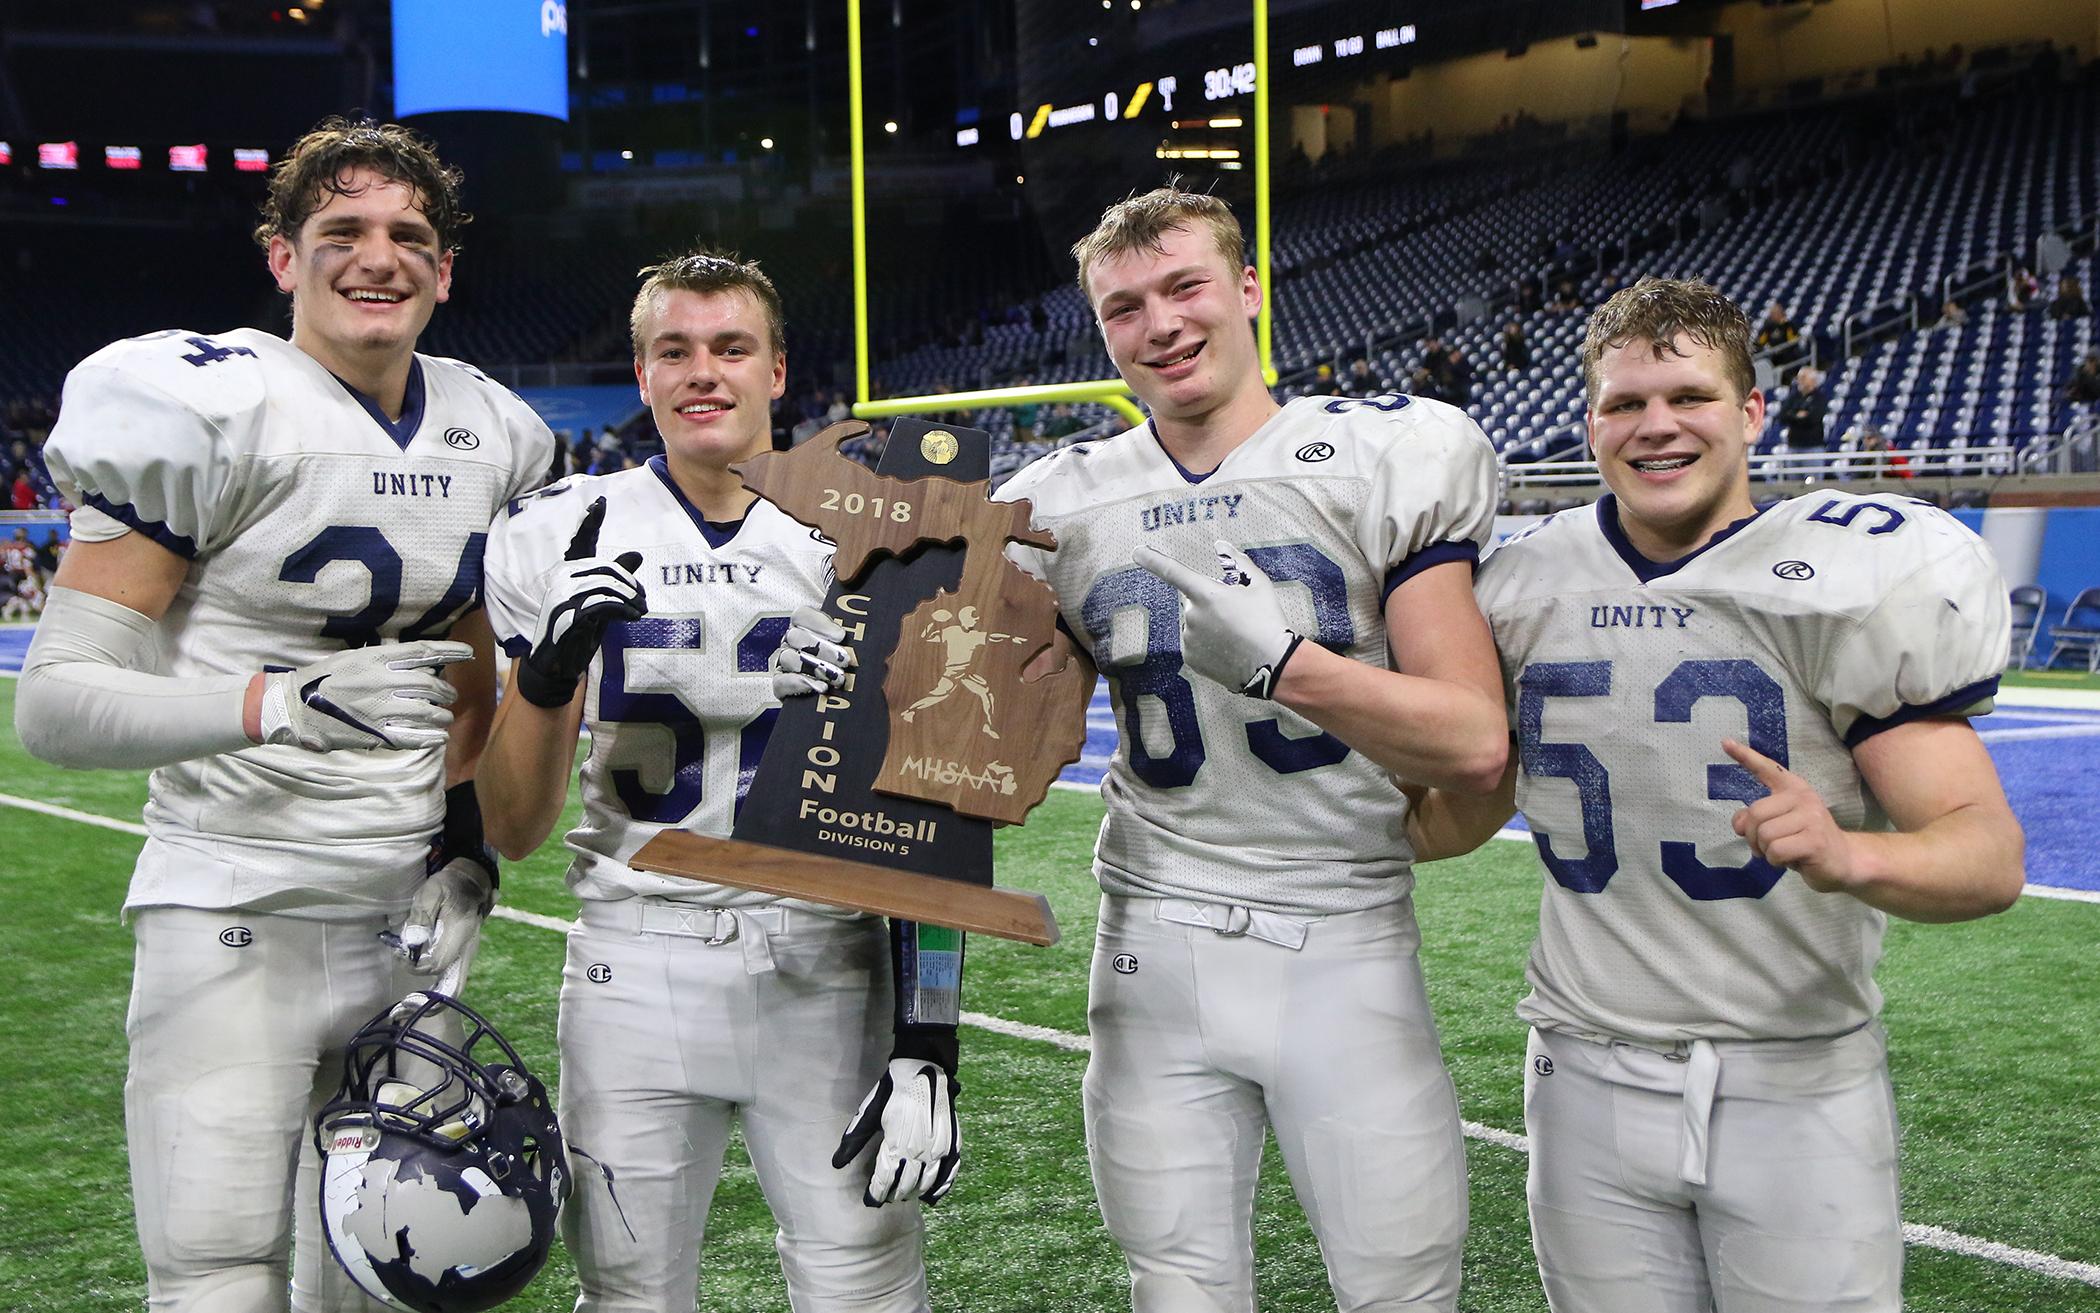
{"points": [[1157, 674]]}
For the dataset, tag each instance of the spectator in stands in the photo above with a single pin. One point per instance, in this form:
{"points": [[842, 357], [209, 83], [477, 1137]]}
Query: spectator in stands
{"points": [[1516, 348], [1027, 415], [1423, 384], [2070, 299], [1433, 354], [811, 422], [23, 495], [1952, 315], [2021, 287], [2084, 387], [1565, 296], [1777, 330], [1803, 415], [1361, 382], [1894, 465], [1458, 379], [1062, 423], [868, 448]]}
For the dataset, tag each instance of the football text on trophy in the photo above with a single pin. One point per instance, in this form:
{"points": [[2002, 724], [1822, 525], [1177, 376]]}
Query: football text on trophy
{"points": [[881, 795]]}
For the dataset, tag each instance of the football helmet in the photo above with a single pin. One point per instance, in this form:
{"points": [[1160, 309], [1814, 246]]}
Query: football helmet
{"points": [[443, 1167]]}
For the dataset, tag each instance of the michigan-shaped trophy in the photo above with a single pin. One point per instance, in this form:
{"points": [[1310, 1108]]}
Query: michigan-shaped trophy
{"points": [[882, 796]]}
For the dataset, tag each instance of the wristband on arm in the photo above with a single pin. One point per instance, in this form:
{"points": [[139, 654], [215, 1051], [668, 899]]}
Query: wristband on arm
{"points": [[926, 962]]}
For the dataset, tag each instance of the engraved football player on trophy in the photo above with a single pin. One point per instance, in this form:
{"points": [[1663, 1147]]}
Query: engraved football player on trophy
{"points": [[961, 643], [879, 793]]}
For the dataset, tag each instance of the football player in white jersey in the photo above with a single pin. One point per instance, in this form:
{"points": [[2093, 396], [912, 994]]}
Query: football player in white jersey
{"points": [[648, 606], [1256, 955], [278, 548], [1742, 743]]}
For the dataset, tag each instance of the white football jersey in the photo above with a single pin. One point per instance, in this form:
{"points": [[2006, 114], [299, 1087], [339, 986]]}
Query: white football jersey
{"points": [[1801, 631], [1216, 796], [679, 703], [311, 524]]}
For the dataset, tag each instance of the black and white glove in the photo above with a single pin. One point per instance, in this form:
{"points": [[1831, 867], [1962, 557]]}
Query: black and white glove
{"points": [[388, 696], [1232, 628], [445, 915], [812, 656], [913, 1109], [585, 595]]}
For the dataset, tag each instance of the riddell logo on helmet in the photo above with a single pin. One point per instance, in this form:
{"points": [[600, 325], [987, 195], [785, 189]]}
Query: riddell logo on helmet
{"points": [[362, 1139]]}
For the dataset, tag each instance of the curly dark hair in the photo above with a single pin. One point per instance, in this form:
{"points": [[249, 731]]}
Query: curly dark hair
{"points": [[316, 166]]}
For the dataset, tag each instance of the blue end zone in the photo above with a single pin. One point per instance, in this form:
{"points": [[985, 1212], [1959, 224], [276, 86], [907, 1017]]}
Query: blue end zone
{"points": [[14, 644]]}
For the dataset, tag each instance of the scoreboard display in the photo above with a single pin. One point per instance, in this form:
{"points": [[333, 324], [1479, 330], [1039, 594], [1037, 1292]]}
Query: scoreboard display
{"points": [[503, 55]]}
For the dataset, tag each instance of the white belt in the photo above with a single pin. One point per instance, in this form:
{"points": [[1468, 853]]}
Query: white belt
{"points": [[1232, 921], [1702, 1073], [751, 928]]}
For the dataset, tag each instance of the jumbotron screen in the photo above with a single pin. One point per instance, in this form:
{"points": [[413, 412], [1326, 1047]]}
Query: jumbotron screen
{"points": [[507, 55]]}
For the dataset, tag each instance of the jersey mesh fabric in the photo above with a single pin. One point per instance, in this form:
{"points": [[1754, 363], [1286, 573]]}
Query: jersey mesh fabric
{"points": [[1216, 796], [309, 528], [680, 702], [1825, 614]]}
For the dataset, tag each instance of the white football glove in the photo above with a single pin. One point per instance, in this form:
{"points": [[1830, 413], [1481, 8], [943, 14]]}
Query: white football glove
{"points": [[587, 593], [389, 696], [444, 918], [812, 656], [913, 1109], [1232, 629]]}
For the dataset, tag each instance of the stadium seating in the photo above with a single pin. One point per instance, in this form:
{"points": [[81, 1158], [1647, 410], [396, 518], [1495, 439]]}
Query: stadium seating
{"points": [[1847, 218], [1846, 215]]}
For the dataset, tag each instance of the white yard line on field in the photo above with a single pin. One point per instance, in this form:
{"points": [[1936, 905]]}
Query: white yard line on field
{"points": [[68, 814], [2039, 732], [2080, 699], [1930, 1237]]}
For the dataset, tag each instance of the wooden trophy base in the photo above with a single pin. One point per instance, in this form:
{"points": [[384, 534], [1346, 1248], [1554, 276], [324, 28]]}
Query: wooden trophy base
{"points": [[842, 882]]}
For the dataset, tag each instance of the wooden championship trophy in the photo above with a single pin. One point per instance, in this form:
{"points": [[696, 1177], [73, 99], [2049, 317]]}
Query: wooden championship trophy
{"points": [[882, 796]]}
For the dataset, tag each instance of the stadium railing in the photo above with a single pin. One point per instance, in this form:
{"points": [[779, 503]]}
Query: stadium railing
{"points": [[2074, 451], [1809, 466]]}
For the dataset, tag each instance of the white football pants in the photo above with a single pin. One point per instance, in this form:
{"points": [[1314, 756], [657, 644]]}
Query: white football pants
{"points": [[1795, 1141], [237, 1025], [674, 1018], [1209, 1021]]}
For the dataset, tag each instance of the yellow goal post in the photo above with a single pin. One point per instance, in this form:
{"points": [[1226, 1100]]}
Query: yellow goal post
{"points": [[1113, 392]]}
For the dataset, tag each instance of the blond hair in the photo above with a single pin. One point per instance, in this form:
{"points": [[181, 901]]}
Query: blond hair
{"points": [[1141, 223], [708, 272]]}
